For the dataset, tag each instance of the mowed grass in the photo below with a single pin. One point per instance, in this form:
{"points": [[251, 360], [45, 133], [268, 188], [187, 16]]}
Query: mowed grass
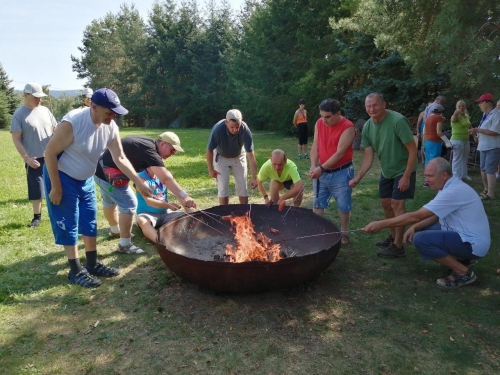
{"points": [[364, 315]]}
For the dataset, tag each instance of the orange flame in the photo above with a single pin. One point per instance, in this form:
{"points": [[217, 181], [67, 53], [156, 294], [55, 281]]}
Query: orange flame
{"points": [[250, 245]]}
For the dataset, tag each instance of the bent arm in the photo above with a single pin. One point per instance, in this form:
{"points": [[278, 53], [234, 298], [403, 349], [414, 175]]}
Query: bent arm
{"points": [[122, 163]]}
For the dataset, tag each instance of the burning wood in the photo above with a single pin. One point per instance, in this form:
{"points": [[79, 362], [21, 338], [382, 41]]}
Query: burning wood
{"points": [[250, 246], [274, 231]]}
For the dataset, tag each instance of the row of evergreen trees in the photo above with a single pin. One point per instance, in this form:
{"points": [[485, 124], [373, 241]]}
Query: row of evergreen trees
{"points": [[193, 63]]}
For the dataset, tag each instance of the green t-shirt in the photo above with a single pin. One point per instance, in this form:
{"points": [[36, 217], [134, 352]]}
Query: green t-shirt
{"points": [[290, 172], [388, 140], [460, 128]]}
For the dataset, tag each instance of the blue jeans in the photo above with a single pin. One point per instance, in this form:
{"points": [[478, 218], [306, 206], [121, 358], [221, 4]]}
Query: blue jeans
{"points": [[434, 243]]}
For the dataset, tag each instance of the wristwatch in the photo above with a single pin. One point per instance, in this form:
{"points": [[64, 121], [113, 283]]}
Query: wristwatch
{"points": [[322, 169]]}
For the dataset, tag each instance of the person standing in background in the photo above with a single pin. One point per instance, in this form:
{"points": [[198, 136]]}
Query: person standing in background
{"points": [[86, 96], [31, 128], [460, 125], [300, 122]]}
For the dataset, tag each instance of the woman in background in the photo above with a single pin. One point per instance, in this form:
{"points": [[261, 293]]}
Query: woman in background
{"points": [[460, 125]]}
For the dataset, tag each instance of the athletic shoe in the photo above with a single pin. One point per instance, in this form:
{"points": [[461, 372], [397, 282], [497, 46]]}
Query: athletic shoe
{"points": [[129, 249], [384, 243], [497, 175], [392, 251], [306, 156], [34, 223], [100, 269], [83, 278], [299, 156], [426, 184]]}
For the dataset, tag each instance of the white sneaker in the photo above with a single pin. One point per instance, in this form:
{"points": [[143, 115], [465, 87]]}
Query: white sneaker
{"points": [[129, 249], [497, 175], [467, 178]]}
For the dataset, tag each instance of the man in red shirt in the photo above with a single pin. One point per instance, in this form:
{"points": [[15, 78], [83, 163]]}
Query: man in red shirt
{"points": [[332, 148]]}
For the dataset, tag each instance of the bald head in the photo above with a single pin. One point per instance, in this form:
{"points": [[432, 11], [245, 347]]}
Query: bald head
{"points": [[278, 160]]}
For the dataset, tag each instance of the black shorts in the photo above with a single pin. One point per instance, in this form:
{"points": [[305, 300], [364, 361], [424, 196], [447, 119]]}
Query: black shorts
{"points": [[388, 188], [288, 184], [302, 133], [34, 177]]}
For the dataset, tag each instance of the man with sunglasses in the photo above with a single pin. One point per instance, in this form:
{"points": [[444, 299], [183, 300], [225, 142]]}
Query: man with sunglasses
{"points": [[31, 128], [143, 153]]}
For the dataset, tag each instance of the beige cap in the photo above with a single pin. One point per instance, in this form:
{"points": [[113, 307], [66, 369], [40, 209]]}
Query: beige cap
{"points": [[173, 139], [87, 93], [235, 115]]}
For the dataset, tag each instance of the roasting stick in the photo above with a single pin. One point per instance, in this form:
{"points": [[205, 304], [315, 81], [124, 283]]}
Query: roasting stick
{"points": [[322, 234], [208, 225], [303, 186]]}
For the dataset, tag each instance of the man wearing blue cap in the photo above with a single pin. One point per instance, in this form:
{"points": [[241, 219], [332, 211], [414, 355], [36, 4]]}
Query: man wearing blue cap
{"points": [[70, 161]]}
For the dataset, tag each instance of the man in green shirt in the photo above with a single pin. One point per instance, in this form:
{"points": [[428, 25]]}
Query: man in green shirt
{"points": [[283, 174], [388, 134]]}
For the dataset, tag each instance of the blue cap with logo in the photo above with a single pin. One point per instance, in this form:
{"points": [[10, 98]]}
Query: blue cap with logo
{"points": [[107, 98]]}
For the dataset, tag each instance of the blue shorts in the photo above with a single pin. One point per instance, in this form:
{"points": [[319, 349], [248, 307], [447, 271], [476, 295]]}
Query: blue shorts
{"points": [[123, 197], [77, 212], [432, 150], [334, 185], [434, 243], [34, 177], [489, 160]]}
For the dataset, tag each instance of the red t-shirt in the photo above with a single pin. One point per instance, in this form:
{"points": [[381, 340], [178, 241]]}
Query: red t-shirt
{"points": [[431, 127], [328, 140]]}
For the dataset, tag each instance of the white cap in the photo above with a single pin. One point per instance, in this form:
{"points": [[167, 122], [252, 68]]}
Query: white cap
{"points": [[87, 93], [34, 89]]}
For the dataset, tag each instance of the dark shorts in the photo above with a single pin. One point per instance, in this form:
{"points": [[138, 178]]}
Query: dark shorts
{"points": [[288, 184], [34, 177], [388, 188], [302, 133]]}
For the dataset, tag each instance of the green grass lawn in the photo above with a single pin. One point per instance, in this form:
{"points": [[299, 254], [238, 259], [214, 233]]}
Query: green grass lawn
{"points": [[363, 315]]}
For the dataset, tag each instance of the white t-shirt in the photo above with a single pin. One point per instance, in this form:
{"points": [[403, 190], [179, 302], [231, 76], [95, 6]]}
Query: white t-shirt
{"points": [[460, 210], [492, 122], [79, 160]]}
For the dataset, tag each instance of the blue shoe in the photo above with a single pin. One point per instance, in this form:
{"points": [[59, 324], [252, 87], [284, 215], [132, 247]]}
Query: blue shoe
{"points": [[299, 156], [306, 156], [100, 269], [83, 278]]}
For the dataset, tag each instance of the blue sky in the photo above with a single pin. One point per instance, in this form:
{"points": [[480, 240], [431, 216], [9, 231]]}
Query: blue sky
{"points": [[37, 38]]}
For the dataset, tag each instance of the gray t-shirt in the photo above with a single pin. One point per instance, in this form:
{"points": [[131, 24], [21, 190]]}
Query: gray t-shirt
{"points": [[79, 160], [491, 122], [36, 128], [227, 144], [460, 210]]}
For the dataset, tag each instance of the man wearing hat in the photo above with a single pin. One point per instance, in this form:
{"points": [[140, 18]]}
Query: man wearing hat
{"points": [[31, 128], [488, 134], [71, 158], [143, 153], [227, 144], [86, 97]]}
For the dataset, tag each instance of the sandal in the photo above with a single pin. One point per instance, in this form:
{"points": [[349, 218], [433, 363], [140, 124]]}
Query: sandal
{"points": [[456, 280], [344, 239], [129, 249], [486, 197]]}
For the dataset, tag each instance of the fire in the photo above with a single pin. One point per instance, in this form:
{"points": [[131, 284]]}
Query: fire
{"points": [[250, 245]]}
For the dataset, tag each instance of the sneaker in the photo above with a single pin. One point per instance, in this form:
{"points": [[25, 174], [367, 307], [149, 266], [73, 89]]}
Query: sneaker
{"points": [[83, 278], [426, 184], [497, 175], [34, 223], [306, 156], [467, 178], [392, 251], [129, 249], [100, 269], [117, 234], [384, 243], [299, 156]]}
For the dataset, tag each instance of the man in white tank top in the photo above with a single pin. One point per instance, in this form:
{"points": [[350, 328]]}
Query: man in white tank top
{"points": [[70, 163]]}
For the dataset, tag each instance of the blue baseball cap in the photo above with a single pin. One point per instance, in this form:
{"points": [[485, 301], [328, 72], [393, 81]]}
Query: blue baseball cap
{"points": [[107, 98]]}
